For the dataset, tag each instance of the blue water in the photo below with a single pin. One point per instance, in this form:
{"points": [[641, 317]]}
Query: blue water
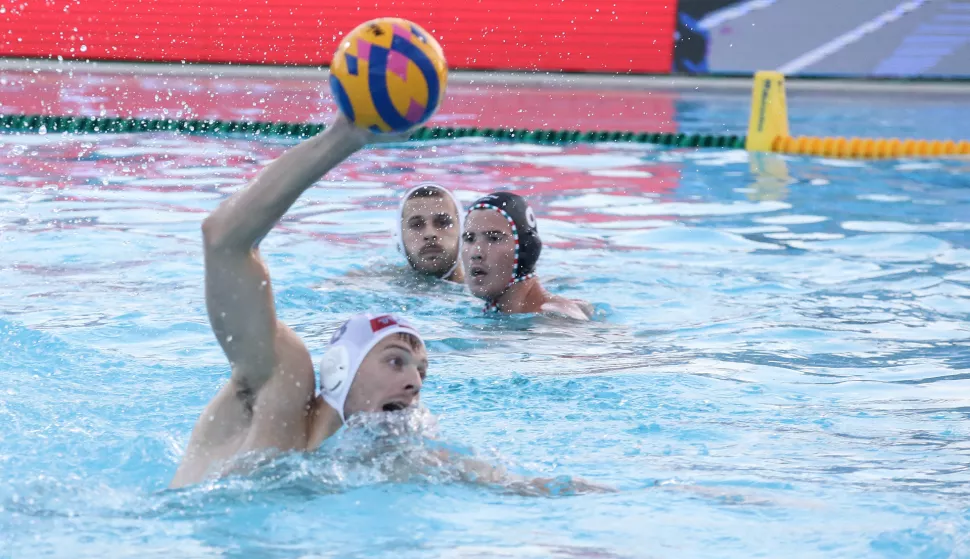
{"points": [[778, 366]]}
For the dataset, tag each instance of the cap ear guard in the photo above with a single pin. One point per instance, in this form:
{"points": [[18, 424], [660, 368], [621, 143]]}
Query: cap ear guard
{"points": [[530, 218], [334, 369], [530, 247]]}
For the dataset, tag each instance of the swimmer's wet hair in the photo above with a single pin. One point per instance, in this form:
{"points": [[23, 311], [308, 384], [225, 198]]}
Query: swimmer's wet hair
{"points": [[413, 342], [427, 192]]}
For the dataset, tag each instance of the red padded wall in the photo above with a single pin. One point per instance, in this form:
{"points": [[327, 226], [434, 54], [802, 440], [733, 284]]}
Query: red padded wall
{"points": [[556, 35]]}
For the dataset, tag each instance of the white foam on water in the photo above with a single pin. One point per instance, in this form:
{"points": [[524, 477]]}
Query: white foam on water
{"points": [[432, 171], [588, 201], [348, 194], [756, 230], [350, 184], [805, 236], [634, 224], [936, 331], [944, 288], [698, 209], [621, 173], [140, 195], [719, 158], [883, 198], [203, 171], [899, 247], [896, 227], [790, 219], [318, 206], [690, 239], [589, 162], [950, 306], [572, 161], [128, 216], [466, 197], [117, 179], [819, 268], [554, 239], [962, 276], [551, 225], [918, 166], [514, 148], [621, 146], [168, 150], [183, 182], [958, 256], [534, 179], [842, 163], [351, 222], [24, 140]]}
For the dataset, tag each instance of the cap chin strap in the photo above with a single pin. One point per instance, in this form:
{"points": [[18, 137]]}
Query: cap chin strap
{"points": [[451, 270], [444, 275], [492, 307]]}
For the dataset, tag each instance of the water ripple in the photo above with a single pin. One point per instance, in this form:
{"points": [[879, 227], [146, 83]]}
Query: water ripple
{"points": [[782, 355]]}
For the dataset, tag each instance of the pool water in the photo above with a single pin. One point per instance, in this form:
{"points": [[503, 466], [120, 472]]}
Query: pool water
{"points": [[778, 365]]}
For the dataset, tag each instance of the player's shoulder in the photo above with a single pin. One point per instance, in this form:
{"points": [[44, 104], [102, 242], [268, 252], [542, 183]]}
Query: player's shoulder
{"points": [[292, 355], [578, 310]]}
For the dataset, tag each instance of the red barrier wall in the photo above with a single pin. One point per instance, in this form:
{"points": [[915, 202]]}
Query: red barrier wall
{"points": [[557, 35], [308, 100]]}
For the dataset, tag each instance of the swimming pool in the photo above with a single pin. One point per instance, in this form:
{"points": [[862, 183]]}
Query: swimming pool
{"points": [[778, 368]]}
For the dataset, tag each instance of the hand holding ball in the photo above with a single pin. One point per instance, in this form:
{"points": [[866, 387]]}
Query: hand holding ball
{"points": [[388, 75]]}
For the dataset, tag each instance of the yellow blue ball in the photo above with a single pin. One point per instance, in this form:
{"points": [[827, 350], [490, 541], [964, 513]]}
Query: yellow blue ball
{"points": [[388, 75]]}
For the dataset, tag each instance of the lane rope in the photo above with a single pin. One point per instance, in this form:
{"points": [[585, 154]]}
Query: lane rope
{"points": [[53, 124]]}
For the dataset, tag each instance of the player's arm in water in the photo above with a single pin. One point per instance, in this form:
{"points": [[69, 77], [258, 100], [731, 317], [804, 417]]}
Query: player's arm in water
{"points": [[477, 471], [570, 308], [264, 405]]}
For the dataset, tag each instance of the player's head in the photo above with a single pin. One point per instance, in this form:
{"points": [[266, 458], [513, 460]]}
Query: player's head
{"points": [[374, 363], [429, 230], [500, 244]]}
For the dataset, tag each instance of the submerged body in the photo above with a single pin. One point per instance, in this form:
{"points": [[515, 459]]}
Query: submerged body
{"points": [[500, 250], [374, 363], [270, 401]]}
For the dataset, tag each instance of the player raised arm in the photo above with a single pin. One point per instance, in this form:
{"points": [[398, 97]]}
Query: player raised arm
{"points": [[237, 284], [272, 381]]}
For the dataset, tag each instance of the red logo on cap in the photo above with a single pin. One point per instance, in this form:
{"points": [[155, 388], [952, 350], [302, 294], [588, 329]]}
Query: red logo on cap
{"points": [[382, 322]]}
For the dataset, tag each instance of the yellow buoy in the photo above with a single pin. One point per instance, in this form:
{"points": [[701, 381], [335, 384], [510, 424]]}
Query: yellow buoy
{"points": [[769, 111]]}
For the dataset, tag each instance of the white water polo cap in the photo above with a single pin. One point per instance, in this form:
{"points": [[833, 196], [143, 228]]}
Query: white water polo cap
{"points": [[399, 226], [348, 347]]}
